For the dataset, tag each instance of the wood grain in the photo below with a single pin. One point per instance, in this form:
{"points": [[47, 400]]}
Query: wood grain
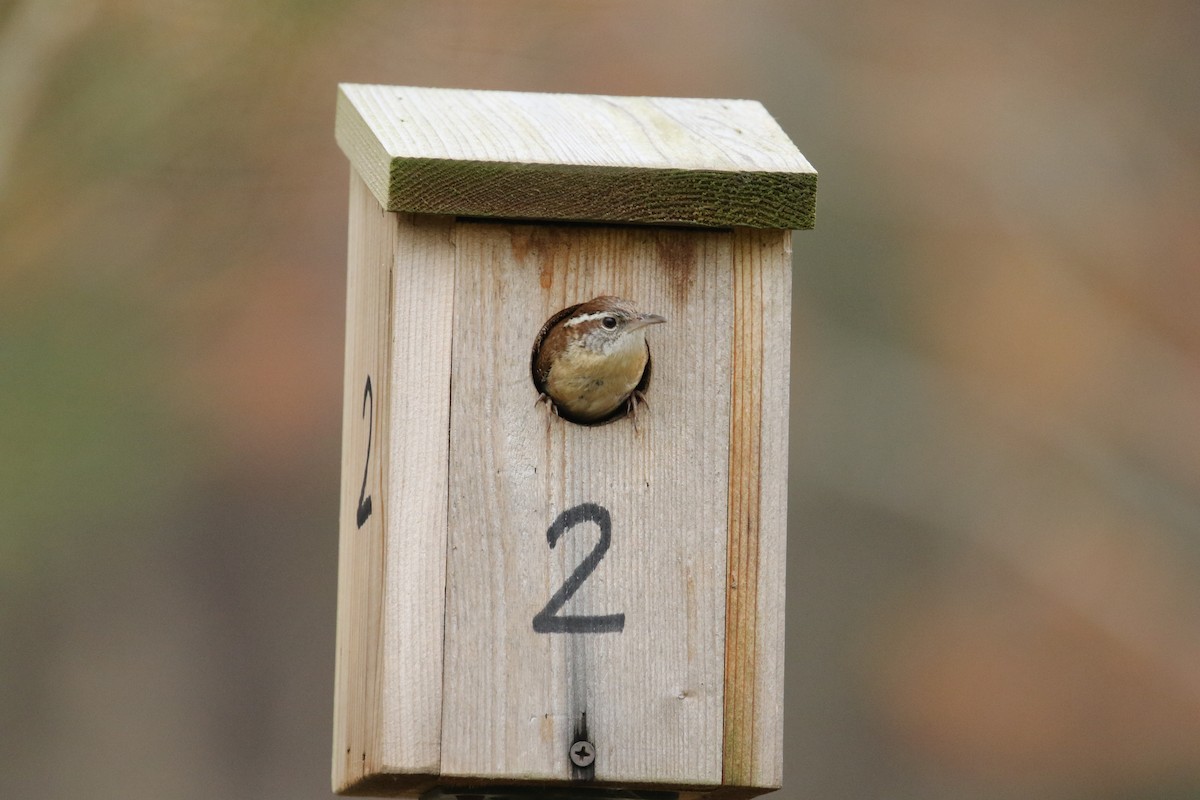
{"points": [[703, 162], [391, 575], [758, 436], [652, 693], [356, 698]]}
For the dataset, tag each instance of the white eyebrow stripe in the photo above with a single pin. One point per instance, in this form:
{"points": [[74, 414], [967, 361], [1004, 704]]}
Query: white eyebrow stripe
{"points": [[587, 318]]}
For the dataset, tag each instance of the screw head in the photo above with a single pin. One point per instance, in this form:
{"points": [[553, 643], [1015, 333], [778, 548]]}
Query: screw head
{"points": [[582, 753]]}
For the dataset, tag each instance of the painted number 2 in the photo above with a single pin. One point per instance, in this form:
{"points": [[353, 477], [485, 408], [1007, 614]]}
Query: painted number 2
{"points": [[548, 620], [364, 499]]}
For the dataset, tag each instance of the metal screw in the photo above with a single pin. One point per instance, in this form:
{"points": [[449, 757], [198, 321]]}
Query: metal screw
{"points": [[582, 754]]}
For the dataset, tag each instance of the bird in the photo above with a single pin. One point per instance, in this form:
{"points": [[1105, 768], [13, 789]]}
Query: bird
{"points": [[591, 361]]}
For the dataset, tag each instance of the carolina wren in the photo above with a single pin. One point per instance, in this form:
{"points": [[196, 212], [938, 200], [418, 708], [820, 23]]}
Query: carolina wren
{"points": [[591, 361]]}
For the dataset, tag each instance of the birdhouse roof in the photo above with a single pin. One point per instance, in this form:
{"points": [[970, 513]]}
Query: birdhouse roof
{"points": [[660, 160]]}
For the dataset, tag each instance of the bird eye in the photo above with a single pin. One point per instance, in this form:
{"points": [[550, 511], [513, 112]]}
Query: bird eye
{"points": [[609, 322]]}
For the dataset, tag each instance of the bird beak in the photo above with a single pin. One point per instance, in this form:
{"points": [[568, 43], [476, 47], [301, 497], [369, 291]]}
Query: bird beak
{"points": [[646, 319]]}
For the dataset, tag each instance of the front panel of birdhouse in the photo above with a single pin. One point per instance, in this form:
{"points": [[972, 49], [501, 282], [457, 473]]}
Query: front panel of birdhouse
{"points": [[586, 568], [528, 603]]}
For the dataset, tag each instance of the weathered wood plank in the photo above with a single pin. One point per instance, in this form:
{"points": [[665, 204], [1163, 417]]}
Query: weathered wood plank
{"points": [[652, 692], [359, 624], [776, 250], [393, 521], [754, 632], [701, 162]]}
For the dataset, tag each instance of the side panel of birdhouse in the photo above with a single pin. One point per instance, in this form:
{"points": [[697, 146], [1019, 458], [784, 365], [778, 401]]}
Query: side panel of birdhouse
{"points": [[387, 716], [586, 573]]}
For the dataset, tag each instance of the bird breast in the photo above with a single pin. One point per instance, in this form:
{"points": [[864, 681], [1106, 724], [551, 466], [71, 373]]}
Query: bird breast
{"points": [[590, 384]]}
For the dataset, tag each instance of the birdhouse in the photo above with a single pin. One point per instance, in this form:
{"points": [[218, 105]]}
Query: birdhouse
{"points": [[532, 600]]}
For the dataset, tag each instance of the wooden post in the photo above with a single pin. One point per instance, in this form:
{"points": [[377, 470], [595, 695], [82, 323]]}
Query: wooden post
{"points": [[527, 606]]}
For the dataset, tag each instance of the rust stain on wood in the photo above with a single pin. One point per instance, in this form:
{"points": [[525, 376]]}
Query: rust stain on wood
{"points": [[677, 253], [522, 239]]}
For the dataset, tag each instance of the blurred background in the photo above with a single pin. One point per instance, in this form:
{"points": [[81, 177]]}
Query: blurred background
{"points": [[994, 564]]}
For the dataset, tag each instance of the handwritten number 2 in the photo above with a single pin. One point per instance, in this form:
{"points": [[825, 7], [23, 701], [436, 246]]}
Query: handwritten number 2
{"points": [[548, 620], [364, 499]]}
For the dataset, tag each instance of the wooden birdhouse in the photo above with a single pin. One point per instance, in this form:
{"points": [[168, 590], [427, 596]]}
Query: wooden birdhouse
{"points": [[531, 603]]}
